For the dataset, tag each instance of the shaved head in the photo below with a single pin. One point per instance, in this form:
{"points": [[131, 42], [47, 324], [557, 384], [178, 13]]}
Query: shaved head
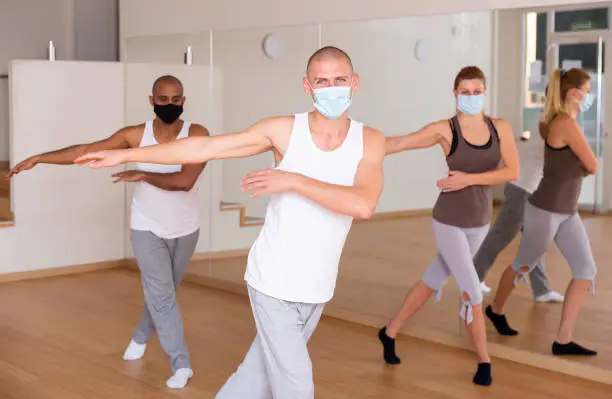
{"points": [[167, 80], [328, 53]]}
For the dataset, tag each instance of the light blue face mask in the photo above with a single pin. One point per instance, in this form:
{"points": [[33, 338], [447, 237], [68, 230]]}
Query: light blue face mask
{"points": [[471, 105], [332, 101], [586, 102]]}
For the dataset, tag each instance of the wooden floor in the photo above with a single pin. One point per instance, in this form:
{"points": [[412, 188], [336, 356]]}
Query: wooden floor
{"points": [[382, 259], [63, 337]]}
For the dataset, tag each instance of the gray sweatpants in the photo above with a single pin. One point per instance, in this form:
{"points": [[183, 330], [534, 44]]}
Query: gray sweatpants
{"points": [[507, 225], [456, 248], [568, 232], [162, 263], [278, 364]]}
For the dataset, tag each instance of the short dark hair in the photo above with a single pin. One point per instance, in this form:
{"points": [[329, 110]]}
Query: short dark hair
{"points": [[166, 79], [328, 52]]}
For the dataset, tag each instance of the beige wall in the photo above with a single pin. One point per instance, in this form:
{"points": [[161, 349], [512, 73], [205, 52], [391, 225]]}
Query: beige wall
{"points": [[159, 17], [70, 215], [257, 87], [80, 29], [63, 215], [96, 27], [510, 68], [397, 96], [400, 94], [4, 120]]}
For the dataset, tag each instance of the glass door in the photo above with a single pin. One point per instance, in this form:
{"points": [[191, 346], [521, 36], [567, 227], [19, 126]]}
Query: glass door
{"points": [[587, 52]]}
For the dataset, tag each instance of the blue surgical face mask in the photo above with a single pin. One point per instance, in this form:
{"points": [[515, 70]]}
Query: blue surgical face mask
{"points": [[471, 105], [332, 101], [586, 102]]}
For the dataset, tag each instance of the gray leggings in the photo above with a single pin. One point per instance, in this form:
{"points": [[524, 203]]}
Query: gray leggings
{"points": [[570, 236], [507, 225], [456, 248]]}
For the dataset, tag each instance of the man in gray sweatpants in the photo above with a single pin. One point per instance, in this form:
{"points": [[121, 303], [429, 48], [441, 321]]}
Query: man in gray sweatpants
{"points": [[329, 170], [164, 219]]}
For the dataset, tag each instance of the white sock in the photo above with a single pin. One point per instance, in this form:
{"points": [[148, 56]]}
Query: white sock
{"points": [[179, 379], [485, 290], [552, 296], [134, 351]]}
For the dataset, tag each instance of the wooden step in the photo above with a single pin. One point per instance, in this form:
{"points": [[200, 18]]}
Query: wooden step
{"points": [[5, 210], [253, 221], [245, 221], [6, 216], [5, 184]]}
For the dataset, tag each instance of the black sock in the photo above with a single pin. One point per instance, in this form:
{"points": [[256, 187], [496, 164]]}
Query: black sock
{"points": [[571, 348], [500, 322], [388, 347], [483, 374]]}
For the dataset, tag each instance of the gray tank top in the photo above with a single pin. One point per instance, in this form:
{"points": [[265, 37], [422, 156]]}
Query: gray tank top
{"points": [[472, 206], [561, 182]]}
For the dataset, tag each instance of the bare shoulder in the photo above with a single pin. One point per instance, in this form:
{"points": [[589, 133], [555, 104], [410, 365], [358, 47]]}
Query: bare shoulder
{"points": [[503, 126], [563, 120], [275, 126], [564, 126], [132, 134], [442, 124], [373, 141], [195, 129], [277, 121], [500, 123], [373, 136], [441, 127]]}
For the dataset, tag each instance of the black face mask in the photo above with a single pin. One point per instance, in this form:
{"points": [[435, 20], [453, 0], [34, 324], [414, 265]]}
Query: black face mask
{"points": [[168, 113]]}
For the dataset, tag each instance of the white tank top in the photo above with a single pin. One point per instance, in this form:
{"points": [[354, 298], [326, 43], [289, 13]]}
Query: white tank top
{"points": [[531, 159], [295, 257], [167, 214]]}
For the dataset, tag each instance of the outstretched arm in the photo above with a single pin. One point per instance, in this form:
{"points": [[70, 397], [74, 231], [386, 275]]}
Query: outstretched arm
{"points": [[178, 181], [68, 155], [358, 201], [255, 140], [428, 136]]}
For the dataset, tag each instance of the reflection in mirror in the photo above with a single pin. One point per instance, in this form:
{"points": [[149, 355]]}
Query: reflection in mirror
{"points": [[384, 256]]}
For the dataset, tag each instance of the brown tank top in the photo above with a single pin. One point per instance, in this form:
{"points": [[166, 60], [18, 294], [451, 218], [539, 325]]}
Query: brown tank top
{"points": [[472, 206], [561, 182]]}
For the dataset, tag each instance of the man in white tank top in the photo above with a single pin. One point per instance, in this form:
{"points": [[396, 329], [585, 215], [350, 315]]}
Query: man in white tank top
{"points": [[164, 219], [329, 170]]}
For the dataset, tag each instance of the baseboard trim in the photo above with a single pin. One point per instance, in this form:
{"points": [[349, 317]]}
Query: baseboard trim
{"points": [[203, 256], [396, 215], [232, 253], [542, 361], [60, 271]]}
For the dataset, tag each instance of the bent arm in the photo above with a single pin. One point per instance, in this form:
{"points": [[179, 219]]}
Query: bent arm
{"points": [[580, 146], [426, 137], [361, 199], [187, 177], [509, 171]]}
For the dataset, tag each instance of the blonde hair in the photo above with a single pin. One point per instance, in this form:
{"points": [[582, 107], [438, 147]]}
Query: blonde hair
{"points": [[560, 83]]}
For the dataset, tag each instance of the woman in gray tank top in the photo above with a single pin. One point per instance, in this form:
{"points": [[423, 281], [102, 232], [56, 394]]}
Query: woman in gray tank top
{"points": [[474, 145], [551, 213]]}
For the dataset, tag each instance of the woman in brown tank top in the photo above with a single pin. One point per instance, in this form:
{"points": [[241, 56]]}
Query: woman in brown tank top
{"points": [[474, 145], [552, 209]]}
